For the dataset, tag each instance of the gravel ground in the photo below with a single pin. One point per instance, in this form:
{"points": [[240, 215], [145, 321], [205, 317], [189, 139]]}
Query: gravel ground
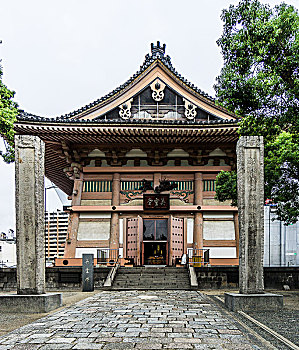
{"points": [[285, 322]]}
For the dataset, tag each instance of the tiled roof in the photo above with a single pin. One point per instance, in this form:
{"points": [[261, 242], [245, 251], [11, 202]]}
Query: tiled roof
{"points": [[157, 55], [24, 116]]}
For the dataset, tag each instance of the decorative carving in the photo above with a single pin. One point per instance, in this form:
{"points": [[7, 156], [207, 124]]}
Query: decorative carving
{"points": [[183, 195], [130, 194], [125, 109], [73, 172], [190, 110], [165, 185], [157, 90], [146, 186]]}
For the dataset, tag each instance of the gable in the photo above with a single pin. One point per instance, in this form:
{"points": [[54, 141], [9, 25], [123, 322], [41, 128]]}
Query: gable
{"points": [[157, 95]]}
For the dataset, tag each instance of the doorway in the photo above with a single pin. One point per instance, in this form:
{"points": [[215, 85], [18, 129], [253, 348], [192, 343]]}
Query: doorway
{"points": [[155, 253], [155, 242]]}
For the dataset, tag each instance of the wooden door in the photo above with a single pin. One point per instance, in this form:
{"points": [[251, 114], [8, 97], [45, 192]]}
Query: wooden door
{"points": [[176, 246], [134, 237]]}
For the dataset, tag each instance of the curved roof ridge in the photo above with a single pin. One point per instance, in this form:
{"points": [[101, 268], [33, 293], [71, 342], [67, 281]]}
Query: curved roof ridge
{"points": [[157, 55]]}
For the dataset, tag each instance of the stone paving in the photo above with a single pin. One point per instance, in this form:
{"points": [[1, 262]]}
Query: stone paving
{"points": [[133, 320]]}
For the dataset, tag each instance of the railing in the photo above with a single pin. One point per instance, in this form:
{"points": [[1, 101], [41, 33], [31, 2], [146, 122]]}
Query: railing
{"points": [[198, 257], [107, 256], [7, 264]]}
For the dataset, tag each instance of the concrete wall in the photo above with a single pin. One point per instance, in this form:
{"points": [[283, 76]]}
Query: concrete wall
{"points": [[228, 277], [69, 278], [57, 278]]}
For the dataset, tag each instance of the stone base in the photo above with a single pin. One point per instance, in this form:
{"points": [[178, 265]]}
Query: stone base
{"points": [[253, 302], [34, 303]]}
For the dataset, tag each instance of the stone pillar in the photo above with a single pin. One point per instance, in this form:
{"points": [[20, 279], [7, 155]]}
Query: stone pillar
{"points": [[250, 167], [114, 227], [29, 175], [198, 217]]}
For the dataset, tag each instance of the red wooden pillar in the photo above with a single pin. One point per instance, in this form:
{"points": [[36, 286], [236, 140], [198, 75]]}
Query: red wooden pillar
{"points": [[198, 217], [114, 224]]}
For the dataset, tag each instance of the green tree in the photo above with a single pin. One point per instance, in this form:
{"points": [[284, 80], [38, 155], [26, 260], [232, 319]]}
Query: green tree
{"points": [[8, 114], [260, 82]]}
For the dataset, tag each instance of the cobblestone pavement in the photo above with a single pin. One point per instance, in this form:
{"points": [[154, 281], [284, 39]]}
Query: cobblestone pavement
{"points": [[133, 320]]}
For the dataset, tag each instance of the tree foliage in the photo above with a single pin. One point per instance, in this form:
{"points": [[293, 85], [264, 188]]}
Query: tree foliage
{"points": [[260, 83], [226, 184], [8, 114]]}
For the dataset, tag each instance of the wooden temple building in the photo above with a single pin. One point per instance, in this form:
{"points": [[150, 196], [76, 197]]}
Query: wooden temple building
{"points": [[139, 166]]}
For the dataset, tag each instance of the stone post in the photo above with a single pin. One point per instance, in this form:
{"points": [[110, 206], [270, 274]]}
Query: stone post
{"points": [[87, 272], [29, 175], [250, 168], [250, 171], [198, 217], [114, 226]]}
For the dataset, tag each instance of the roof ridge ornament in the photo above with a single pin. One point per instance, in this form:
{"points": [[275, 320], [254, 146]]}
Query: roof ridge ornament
{"points": [[158, 50]]}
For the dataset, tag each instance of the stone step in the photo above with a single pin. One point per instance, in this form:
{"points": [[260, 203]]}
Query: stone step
{"points": [[145, 278]]}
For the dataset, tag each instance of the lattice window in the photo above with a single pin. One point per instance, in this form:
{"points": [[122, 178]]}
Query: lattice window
{"points": [[183, 185], [97, 186], [209, 185], [131, 185]]}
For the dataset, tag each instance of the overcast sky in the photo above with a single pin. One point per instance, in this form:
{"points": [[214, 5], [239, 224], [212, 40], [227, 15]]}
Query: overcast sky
{"points": [[59, 55]]}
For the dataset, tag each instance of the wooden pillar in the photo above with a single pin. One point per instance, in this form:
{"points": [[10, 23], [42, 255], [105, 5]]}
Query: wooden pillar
{"points": [[198, 217], [114, 225], [71, 240]]}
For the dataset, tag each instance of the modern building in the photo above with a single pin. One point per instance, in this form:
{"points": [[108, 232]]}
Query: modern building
{"points": [[281, 242], [56, 225], [7, 252], [139, 165]]}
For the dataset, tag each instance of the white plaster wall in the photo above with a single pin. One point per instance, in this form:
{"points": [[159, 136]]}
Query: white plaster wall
{"points": [[222, 252], [210, 201], [218, 230], [95, 215], [121, 252], [93, 230], [121, 231], [190, 227], [218, 215], [80, 251], [96, 202]]}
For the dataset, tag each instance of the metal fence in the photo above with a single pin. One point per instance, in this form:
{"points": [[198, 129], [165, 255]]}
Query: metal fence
{"points": [[198, 257], [107, 256]]}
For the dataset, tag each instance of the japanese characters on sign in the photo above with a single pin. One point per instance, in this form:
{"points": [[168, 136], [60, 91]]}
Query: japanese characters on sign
{"points": [[156, 201], [87, 273]]}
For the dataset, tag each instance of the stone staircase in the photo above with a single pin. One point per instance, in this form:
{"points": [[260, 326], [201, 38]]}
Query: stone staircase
{"points": [[154, 278]]}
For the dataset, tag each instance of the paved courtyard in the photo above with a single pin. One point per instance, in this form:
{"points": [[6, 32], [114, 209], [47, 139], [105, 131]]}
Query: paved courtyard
{"points": [[133, 320]]}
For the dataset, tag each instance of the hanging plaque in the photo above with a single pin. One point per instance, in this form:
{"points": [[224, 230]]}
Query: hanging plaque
{"points": [[156, 201]]}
